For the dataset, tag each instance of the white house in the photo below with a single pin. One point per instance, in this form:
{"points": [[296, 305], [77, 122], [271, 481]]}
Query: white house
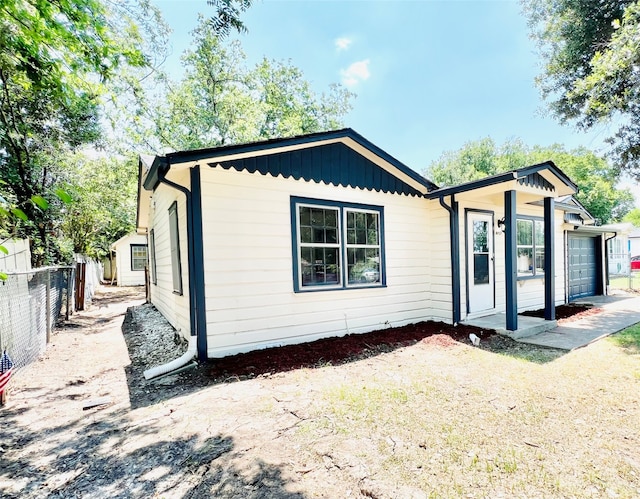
{"points": [[131, 259], [634, 242], [619, 248], [290, 240]]}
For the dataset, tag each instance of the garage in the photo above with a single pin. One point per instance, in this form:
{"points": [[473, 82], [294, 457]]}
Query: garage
{"points": [[584, 265]]}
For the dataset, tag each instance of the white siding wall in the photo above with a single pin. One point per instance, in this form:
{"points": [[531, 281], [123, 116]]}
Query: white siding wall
{"points": [[126, 276], [173, 306], [439, 259], [530, 291], [249, 268]]}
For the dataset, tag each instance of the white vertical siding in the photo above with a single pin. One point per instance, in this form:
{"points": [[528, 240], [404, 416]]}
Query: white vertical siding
{"points": [[249, 266], [173, 306]]}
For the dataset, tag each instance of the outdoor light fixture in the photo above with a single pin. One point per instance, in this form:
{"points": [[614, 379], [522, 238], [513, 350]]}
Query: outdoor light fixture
{"points": [[501, 227]]}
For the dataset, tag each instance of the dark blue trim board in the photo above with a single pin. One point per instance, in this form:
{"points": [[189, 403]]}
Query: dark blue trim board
{"points": [[510, 267], [197, 241], [549, 261], [334, 163], [308, 141], [522, 175], [454, 247]]}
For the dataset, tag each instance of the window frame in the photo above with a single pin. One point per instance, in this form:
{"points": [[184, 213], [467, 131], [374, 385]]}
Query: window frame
{"points": [[535, 273], [152, 257], [133, 247], [174, 241], [342, 209]]}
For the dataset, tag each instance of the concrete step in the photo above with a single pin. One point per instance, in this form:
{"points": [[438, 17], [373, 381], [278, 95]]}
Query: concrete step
{"points": [[527, 326]]}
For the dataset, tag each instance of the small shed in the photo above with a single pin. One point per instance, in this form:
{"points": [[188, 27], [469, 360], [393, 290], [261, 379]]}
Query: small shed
{"points": [[131, 259]]}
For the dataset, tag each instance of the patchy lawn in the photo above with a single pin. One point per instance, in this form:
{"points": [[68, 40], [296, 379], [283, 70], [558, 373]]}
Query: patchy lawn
{"points": [[413, 412]]}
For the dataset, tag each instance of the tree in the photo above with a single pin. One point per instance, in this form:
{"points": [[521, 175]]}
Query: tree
{"points": [[594, 176], [223, 101], [54, 58], [633, 217], [104, 202], [591, 52], [227, 16]]}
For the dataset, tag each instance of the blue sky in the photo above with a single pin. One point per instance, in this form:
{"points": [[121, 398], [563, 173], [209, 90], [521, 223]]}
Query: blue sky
{"points": [[429, 75]]}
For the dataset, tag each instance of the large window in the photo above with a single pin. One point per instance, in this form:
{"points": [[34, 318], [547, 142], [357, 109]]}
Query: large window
{"points": [[174, 237], [337, 245], [138, 256], [530, 246]]}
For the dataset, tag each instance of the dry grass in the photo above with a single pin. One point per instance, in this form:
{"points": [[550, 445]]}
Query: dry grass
{"points": [[438, 418], [464, 422]]}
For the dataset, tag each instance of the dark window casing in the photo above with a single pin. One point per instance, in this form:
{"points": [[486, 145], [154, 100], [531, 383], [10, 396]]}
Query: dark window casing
{"points": [[336, 245], [174, 237], [138, 257], [152, 257]]}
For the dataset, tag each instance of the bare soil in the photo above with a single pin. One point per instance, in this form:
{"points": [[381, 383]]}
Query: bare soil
{"points": [[404, 412]]}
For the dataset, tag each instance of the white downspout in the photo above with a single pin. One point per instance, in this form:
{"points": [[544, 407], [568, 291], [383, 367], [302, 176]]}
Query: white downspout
{"points": [[184, 359]]}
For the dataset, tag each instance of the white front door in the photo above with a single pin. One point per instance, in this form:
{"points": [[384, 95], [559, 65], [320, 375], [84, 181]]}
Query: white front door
{"points": [[480, 281]]}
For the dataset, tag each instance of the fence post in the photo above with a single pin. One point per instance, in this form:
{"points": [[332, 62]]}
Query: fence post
{"points": [[68, 273], [48, 304]]}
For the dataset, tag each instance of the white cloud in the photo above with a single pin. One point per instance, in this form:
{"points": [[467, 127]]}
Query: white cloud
{"points": [[357, 72], [343, 43]]}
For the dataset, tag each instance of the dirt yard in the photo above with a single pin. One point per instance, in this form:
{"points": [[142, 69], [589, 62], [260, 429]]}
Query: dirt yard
{"points": [[403, 413]]}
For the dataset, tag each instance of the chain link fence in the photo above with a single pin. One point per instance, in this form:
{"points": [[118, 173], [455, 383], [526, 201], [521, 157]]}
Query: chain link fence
{"points": [[31, 302], [622, 275]]}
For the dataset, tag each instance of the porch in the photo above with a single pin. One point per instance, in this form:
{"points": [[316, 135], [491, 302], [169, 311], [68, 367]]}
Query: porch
{"points": [[527, 326]]}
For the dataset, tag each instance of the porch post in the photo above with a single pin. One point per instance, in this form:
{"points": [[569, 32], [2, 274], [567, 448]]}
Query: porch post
{"points": [[510, 268], [549, 261]]}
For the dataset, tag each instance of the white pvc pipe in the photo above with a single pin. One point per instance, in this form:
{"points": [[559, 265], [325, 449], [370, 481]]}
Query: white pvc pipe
{"points": [[186, 357]]}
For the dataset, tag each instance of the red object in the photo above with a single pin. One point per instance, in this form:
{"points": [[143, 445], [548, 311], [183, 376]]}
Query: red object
{"points": [[4, 381], [635, 265]]}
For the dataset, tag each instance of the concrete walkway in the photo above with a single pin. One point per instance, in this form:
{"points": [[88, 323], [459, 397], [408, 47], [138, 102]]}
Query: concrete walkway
{"points": [[619, 312]]}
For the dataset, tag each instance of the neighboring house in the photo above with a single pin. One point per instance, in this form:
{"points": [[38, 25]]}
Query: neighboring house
{"points": [[131, 259], [634, 242], [291, 240], [619, 248]]}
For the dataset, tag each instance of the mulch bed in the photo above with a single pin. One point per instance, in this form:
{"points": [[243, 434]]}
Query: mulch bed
{"points": [[353, 347], [569, 311], [336, 351]]}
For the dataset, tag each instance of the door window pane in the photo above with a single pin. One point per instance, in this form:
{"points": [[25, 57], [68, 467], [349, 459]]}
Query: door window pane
{"points": [[480, 237], [481, 268]]}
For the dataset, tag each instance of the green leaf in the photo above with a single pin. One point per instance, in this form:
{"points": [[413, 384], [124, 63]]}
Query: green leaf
{"points": [[3, 276], [63, 196], [4, 250], [40, 202], [20, 214]]}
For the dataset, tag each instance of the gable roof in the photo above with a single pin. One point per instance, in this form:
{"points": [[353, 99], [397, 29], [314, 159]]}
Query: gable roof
{"points": [[320, 157], [545, 176]]}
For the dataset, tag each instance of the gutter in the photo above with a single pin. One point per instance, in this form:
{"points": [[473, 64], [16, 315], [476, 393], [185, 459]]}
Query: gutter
{"points": [[197, 322], [606, 258], [454, 238]]}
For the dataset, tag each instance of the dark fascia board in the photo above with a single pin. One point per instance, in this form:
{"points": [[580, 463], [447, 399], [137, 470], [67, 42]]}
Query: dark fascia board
{"points": [[503, 177], [569, 206], [159, 166], [214, 152]]}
